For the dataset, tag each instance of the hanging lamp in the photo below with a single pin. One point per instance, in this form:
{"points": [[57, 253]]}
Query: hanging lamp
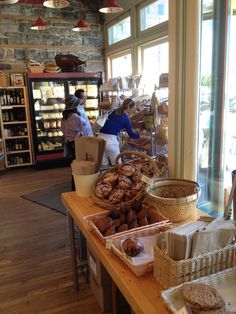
{"points": [[82, 25], [8, 1], [39, 24], [110, 6], [56, 4]]}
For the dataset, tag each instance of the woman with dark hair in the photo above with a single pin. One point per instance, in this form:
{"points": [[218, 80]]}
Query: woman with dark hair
{"points": [[81, 95], [71, 126], [118, 120]]}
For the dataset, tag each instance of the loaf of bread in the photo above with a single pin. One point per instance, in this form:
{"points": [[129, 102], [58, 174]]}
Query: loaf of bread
{"points": [[201, 297]]}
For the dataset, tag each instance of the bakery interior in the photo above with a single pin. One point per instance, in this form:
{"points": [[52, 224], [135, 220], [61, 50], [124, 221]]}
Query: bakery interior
{"points": [[154, 233]]}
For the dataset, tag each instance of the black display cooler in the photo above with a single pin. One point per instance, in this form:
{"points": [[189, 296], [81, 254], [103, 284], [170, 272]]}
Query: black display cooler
{"points": [[47, 92]]}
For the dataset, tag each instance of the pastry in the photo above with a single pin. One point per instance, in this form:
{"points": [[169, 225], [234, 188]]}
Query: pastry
{"points": [[116, 196], [132, 247], [136, 177], [111, 177], [131, 216], [147, 169], [124, 182], [143, 221], [110, 231], [114, 213], [133, 224], [122, 228], [103, 223], [126, 170], [103, 190], [128, 195], [202, 297], [136, 187]]}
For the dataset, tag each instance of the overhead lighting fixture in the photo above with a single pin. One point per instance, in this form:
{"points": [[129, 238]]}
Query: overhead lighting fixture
{"points": [[56, 4], [82, 25], [8, 1], [39, 24], [111, 6]]}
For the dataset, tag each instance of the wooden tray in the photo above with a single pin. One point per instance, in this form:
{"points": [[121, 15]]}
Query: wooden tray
{"points": [[224, 282]]}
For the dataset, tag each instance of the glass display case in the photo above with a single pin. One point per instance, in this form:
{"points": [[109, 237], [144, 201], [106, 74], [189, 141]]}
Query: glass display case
{"points": [[47, 93]]}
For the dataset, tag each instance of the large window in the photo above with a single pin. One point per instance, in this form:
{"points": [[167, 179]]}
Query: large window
{"points": [[217, 104], [121, 65], [154, 58], [119, 31], [153, 14]]}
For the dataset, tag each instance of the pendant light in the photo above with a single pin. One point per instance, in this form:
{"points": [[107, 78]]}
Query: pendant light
{"points": [[39, 24], [8, 1], [56, 4], [111, 6], [82, 25]]}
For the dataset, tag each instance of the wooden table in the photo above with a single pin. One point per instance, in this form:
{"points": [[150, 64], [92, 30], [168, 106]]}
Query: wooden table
{"points": [[142, 293]]}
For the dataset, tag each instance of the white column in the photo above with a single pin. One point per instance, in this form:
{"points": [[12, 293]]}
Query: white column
{"points": [[183, 87]]}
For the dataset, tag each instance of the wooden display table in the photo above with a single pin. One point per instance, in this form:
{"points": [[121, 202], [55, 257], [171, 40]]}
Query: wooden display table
{"points": [[142, 293]]}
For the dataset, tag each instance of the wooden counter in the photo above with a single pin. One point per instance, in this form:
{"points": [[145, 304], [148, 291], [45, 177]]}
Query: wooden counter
{"points": [[142, 293]]}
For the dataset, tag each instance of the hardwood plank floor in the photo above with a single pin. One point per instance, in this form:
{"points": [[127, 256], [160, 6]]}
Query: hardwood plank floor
{"points": [[35, 265]]}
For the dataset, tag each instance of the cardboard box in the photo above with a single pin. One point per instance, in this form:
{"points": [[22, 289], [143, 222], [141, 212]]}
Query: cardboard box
{"points": [[103, 294], [97, 270]]}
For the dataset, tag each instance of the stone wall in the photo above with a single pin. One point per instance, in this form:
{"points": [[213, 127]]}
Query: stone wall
{"points": [[19, 44]]}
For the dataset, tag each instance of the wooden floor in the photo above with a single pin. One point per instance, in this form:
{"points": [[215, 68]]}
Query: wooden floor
{"points": [[35, 266]]}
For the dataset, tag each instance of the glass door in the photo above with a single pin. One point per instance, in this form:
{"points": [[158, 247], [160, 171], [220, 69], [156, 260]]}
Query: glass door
{"points": [[48, 101], [217, 104]]}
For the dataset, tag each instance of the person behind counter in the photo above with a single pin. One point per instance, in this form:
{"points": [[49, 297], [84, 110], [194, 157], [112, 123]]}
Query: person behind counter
{"points": [[118, 120], [81, 95], [71, 126]]}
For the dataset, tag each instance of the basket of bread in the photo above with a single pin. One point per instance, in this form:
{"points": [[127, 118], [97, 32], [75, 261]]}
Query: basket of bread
{"points": [[110, 223], [122, 185], [36, 67]]}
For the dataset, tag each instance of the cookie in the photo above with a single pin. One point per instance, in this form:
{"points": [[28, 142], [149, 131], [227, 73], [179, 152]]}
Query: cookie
{"points": [[202, 297]]}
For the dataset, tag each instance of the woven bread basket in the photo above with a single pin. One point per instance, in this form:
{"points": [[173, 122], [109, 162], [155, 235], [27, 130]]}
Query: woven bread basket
{"points": [[105, 203], [174, 198]]}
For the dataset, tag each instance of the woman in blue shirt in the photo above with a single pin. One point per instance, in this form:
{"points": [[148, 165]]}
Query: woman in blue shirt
{"points": [[118, 120]]}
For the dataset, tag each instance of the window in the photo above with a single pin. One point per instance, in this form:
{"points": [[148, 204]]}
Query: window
{"points": [[154, 62], [119, 31], [217, 104], [153, 14], [121, 65]]}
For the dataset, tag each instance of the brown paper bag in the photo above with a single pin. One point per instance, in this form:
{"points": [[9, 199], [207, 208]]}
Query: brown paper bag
{"points": [[4, 79]]}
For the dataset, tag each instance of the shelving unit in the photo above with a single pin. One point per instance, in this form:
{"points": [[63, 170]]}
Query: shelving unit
{"points": [[15, 126], [47, 92]]}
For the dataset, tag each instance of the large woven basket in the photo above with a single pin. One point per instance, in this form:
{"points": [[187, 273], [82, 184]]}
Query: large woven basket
{"points": [[174, 198], [140, 195], [170, 273]]}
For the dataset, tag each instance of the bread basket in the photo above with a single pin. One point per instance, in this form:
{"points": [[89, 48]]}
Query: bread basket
{"points": [[138, 157], [174, 198]]}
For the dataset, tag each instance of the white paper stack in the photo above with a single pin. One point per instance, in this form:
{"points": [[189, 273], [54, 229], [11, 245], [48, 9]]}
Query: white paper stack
{"points": [[179, 240]]}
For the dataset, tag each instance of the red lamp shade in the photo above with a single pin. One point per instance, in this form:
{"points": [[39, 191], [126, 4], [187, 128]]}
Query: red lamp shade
{"points": [[81, 26], [111, 6], [39, 24]]}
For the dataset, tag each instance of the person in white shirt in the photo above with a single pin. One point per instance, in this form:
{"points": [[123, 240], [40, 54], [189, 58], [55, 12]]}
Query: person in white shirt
{"points": [[81, 95]]}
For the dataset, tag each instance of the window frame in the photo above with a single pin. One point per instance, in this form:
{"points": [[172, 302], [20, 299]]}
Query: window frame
{"points": [[154, 28], [115, 21], [117, 55]]}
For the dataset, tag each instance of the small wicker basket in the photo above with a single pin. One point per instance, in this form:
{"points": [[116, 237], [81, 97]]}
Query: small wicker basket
{"points": [[36, 68], [174, 198], [170, 273]]}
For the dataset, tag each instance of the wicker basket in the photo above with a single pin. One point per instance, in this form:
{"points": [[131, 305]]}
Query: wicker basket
{"points": [[174, 198], [144, 267], [36, 68], [170, 273], [139, 196]]}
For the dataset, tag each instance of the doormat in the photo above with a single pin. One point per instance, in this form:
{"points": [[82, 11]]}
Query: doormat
{"points": [[50, 197]]}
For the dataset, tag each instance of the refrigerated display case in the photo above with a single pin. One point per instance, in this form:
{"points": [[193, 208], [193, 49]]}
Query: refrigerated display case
{"points": [[47, 94]]}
